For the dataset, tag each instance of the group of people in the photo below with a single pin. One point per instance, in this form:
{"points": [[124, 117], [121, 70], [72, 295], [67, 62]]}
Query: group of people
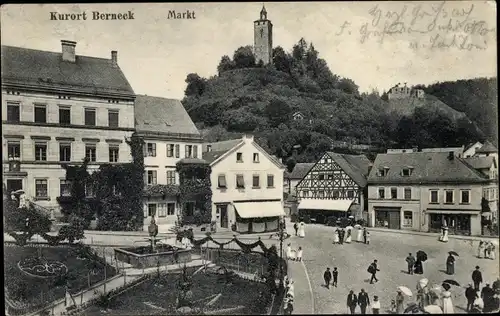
{"points": [[484, 300], [414, 265], [299, 229], [486, 250], [341, 235], [295, 255], [290, 294], [363, 301]]}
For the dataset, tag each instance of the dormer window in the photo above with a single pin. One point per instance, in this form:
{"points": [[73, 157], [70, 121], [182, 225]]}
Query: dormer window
{"points": [[406, 172], [382, 172]]}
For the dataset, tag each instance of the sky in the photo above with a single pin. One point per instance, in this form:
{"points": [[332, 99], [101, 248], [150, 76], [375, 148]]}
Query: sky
{"points": [[380, 45]]}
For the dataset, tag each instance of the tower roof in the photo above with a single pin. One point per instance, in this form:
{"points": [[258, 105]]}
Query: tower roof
{"points": [[263, 9]]}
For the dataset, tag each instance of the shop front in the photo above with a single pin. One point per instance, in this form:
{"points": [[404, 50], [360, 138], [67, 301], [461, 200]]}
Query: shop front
{"points": [[388, 217], [258, 216], [320, 209], [458, 224]]}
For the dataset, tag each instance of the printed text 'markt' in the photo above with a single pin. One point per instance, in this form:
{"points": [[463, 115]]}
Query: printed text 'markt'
{"points": [[96, 15]]}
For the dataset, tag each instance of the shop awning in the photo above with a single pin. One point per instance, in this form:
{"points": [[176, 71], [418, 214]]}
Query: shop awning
{"points": [[259, 209], [325, 204], [453, 211]]}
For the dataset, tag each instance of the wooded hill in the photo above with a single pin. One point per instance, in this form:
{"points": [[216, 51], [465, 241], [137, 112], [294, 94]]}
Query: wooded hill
{"points": [[246, 97]]}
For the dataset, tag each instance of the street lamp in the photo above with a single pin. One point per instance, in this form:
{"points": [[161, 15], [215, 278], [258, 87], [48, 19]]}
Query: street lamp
{"points": [[282, 235]]}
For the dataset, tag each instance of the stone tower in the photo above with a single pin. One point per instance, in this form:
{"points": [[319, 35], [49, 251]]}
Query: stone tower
{"points": [[263, 38]]}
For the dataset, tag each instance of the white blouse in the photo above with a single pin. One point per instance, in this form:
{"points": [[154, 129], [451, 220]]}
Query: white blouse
{"points": [[376, 304]]}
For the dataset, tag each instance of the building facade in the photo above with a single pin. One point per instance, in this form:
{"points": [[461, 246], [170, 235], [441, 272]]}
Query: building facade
{"points": [[423, 191], [263, 38], [169, 136], [405, 92], [470, 150], [247, 185], [58, 108], [293, 178], [334, 186]]}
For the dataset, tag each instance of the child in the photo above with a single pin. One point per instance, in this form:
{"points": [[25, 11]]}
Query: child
{"points": [[375, 305], [393, 306], [367, 237], [299, 254]]}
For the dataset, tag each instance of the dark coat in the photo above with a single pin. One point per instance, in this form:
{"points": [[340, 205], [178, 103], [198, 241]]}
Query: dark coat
{"points": [[363, 299], [335, 274], [352, 300], [450, 260], [487, 293], [470, 294], [410, 260], [477, 276], [327, 275]]}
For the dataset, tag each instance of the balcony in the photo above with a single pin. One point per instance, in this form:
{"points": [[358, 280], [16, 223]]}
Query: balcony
{"points": [[14, 167]]}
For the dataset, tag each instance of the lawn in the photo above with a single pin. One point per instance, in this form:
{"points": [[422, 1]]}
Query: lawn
{"points": [[29, 291], [158, 296], [246, 262]]}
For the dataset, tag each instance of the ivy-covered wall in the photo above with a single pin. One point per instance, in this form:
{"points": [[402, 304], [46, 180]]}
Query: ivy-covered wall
{"points": [[195, 186], [118, 189]]}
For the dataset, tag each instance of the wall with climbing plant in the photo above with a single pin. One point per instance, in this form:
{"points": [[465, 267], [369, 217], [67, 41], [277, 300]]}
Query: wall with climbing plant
{"points": [[195, 186], [117, 192]]}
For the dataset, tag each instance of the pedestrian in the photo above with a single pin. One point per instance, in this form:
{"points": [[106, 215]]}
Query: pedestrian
{"points": [[478, 305], [419, 266], [477, 278], [359, 235], [363, 301], [288, 251], [470, 295], [410, 260], [447, 302], [445, 234], [372, 269], [348, 239], [487, 250], [487, 296], [400, 302], [336, 239], [296, 227], [496, 286], [375, 305], [299, 254], [341, 236], [492, 251], [450, 265], [364, 234], [302, 232], [367, 238], [480, 250], [352, 301], [327, 276], [335, 275]]}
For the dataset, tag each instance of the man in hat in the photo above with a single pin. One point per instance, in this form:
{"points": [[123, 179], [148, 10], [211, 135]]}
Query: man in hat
{"points": [[363, 301], [487, 296], [296, 227], [327, 276], [373, 268], [410, 260], [352, 301], [477, 278], [335, 275], [470, 294]]}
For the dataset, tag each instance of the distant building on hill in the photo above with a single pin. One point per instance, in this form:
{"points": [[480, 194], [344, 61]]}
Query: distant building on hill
{"points": [[398, 92], [263, 38]]}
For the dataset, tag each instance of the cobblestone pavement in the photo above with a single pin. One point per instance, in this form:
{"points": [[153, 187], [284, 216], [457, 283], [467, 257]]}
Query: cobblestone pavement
{"points": [[390, 249]]}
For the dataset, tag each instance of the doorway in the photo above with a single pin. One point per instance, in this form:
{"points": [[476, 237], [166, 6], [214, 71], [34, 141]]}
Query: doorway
{"points": [[388, 218], [224, 219], [14, 185]]}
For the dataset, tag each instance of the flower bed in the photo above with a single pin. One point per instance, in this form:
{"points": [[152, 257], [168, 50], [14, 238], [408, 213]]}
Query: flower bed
{"points": [[141, 257]]}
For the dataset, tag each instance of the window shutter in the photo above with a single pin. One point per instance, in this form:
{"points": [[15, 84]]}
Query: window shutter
{"points": [[177, 150], [195, 151], [186, 151]]}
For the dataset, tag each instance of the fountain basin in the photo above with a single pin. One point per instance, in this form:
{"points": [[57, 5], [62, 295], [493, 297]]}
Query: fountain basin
{"points": [[143, 257]]}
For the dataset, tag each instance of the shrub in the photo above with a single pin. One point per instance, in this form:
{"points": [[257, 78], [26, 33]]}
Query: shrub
{"points": [[307, 219], [18, 289], [73, 231]]}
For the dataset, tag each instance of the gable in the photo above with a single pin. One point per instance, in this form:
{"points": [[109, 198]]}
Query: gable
{"points": [[327, 173], [247, 149]]}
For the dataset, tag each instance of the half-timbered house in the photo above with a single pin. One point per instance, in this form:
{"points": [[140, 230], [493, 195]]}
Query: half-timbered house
{"points": [[334, 186]]}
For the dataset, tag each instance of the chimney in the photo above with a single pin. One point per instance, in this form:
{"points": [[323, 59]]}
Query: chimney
{"points": [[209, 148], [248, 137], [451, 155], [114, 57], [68, 51]]}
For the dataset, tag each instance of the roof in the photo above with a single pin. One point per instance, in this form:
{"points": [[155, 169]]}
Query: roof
{"points": [[357, 167], [219, 148], [300, 170], [193, 161], [469, 146], [487, 148], [480, 162], [428, 167], [46, 70], [161, 115], [444, 150]]}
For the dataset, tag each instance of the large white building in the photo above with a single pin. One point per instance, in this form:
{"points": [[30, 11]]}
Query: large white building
{"points": [[170, 136], [247, 185]]}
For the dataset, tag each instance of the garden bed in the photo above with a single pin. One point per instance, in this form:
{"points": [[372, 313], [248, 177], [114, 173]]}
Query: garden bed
{"points": [[31, 282], [158, 296], [142, 257]]}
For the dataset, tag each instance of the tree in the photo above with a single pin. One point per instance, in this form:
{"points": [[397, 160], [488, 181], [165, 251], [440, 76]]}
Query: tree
{"points": [[278, 112], [290, 164], [195, 85], [299, 50], [280, 59], [225, 64], [348, 86], [244, 57]]}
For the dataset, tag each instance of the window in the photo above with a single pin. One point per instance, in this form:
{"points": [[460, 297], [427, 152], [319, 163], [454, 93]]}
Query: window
{"points": [[14, 149], [41, 188], [256, 181], [394, 193], [91, 152], [195, 151], [177, 151], [406, 172], [329, 176], [13, 113], [151, 177], [64, 187], [170, 209], [90, 117], [350, 194], [382, 172], [41, 151], [407, 193], [381, 193], [222, 181], [150, 150], [465, 196], [89, 190], [448, 196], [240, 181], [407, 219], [40, 113], [255, 157], [239, 157], [335, 194], [171, 177], [113, 153], [64, 152], [189, 208], [113, 118], [162, 210], [152, 209], [321, 177], [321, 194], [270, 181], [434, 196], [64, 115], [305, 193], [170, 150], [189, 151]]}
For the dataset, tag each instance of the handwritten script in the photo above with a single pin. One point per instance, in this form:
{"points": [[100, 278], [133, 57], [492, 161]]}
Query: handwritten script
{"points": [[440, 25]]}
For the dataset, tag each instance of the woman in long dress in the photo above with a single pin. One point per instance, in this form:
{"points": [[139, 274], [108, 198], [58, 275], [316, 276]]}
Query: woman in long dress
{"points": [[400, 303], [450, 265], [336, 239], [348, 238], [289, 251], [447, 303], [359, 237], [478, 305], [419, 268], [302, 232], [299, 254], [480, 250], [492, 251], [445, 234]]}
